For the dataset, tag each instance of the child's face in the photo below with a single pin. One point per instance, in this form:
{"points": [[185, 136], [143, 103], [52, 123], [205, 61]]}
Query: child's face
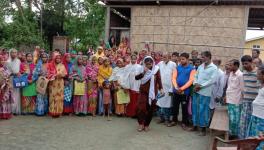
{"points": [[184, 60], [119, 64]]}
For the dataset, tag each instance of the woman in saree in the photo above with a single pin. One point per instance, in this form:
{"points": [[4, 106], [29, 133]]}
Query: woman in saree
{"points": [[119, 94], [104, 73], [42, 99], [68, 85], [13, 65], [29, 93], [92, 72], [80, 102], [150, 84], [56, 73], [5, 91]]}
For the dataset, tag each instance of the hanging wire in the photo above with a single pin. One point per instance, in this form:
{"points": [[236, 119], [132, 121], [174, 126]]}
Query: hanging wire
{"points": [[198, 45]]}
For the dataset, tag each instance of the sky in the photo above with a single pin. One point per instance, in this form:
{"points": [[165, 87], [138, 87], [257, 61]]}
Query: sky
{"points": [[254, 33]]}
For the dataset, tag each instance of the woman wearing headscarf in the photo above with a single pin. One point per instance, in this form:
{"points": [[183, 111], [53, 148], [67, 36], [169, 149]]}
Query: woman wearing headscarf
{"points": [[120, 93], [28, 99], [80, 102], [134, 69], [100, 52], [56, 73], [13, 65], [92, 72], [68, 85], [104, 73], [5, 91], [73, 56], [150, 84], [42, 99]]}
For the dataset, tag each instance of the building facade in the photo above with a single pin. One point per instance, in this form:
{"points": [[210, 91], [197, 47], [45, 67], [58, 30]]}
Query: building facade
{"points": [[186, 27]]}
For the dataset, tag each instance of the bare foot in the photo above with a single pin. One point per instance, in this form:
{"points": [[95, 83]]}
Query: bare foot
{"points": [[140, 128], [146, 129]]}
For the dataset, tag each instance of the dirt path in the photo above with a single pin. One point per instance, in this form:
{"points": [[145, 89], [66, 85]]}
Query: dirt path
{"points": [[83, 133]]}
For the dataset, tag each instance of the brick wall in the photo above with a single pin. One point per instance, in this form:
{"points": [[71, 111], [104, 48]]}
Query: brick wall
{"points": [[216, 25]]}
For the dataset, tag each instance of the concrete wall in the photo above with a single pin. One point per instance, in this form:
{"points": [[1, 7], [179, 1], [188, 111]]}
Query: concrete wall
{"points": [[216, 25]]}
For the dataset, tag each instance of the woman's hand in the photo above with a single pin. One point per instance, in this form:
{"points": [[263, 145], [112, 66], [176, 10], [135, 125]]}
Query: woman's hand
{"points": [[145, 70]]}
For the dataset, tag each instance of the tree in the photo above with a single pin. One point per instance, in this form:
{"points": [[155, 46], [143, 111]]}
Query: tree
{"points": [[81, 20]]}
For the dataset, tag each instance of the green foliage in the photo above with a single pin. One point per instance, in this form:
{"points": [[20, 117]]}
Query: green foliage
{"points": [[86, 31], [81, 20]]}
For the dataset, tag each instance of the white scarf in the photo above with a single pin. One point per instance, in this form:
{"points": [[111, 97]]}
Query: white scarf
{"points": [[13, 64], [150, 75]]}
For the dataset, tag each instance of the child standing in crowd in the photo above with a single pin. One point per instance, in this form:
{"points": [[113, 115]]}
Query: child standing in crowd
{"points": [[234, 96], [256, 125], [203, 82], [107, 98], [104, 73], [42, 99], [56, 73], [92, 72], [150, 84], [80, 102], [68, 85], [182, 79], [166, 68], [134, 86], [28, 99], [250, 92], [5, 91]]}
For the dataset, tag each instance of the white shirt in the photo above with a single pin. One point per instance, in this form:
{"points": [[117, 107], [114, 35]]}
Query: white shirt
{"points": [[218, 87], [166, 71], [258, 104], [235, 87]]}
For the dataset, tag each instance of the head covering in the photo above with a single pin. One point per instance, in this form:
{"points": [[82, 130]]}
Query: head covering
{"points": [[52, 71], [150, 75], [13, 64], [67, 65]]}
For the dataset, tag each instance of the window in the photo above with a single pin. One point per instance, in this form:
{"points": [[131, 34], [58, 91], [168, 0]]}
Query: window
{"points": [[256, 46]]}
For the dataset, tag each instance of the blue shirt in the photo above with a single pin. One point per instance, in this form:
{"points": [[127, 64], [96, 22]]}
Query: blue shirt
{"points": [[184, 76], [205, 78]]}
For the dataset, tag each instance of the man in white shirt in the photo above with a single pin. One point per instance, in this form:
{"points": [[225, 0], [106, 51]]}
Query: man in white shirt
{"points": [[166, 69]]}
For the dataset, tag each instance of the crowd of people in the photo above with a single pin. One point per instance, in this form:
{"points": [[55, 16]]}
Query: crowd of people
{"points": [[135, 84]]}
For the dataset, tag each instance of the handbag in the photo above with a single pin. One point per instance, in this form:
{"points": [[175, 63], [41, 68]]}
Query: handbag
{"points": [[79, 88], [20, 82], [30, 90], [42, 84]]}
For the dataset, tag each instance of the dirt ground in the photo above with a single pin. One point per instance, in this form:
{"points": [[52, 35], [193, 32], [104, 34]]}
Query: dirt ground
{"points": [[85, 133]]}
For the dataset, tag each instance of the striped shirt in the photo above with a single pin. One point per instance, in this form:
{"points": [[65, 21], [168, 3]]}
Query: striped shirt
{"points": [[251, 85]]}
